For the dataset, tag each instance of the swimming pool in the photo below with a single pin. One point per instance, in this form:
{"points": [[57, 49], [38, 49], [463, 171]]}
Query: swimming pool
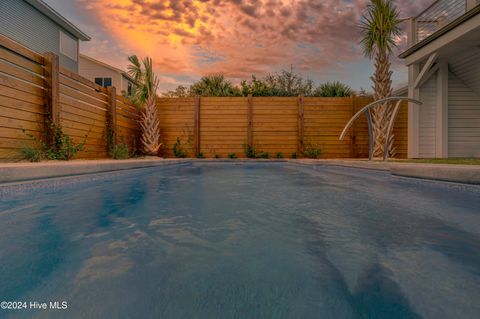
{"points": [[241, 241]]}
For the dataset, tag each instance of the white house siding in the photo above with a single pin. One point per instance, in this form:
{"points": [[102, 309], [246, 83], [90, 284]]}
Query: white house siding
{"points": [[28, 26], [427, 118], [466, 67], [463, 119], [91, 70]]}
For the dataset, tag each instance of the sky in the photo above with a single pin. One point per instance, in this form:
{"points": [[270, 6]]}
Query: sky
{"points": [[187, 39]]}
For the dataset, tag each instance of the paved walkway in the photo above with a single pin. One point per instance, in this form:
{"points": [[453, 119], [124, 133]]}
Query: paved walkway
{"points": [[16, 172]]}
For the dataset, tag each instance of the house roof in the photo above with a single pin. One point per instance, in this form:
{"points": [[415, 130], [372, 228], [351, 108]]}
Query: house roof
{"points": [[452, 25], [58, 18], [108, 66]]}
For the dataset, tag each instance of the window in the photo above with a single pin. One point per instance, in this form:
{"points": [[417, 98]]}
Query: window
{"points": [[105, 82], [129, 88], [68, 46]]}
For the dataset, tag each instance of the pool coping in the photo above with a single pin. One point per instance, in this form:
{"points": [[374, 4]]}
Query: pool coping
{"points": [[22, 172]]}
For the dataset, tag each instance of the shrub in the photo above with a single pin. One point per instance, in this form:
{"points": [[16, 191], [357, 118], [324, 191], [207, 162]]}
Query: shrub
{"points": [[200, 155], [62, 148], [232, 155], [217, 156], [294, 155], [312, 151], [279, 155], [333, 89], [32, 154], [264, 155], [178, 150], [120, 151], [250, 151]]}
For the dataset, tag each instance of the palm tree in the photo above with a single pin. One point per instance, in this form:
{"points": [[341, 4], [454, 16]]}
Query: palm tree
{"points": [[144, 94], [380, 26]]}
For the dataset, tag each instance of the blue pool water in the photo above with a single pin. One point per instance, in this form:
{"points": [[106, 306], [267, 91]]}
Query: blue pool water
{"points": [[241, 241]]}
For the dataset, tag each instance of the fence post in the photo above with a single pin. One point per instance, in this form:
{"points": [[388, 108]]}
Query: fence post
{"points": [[112, 118], [52, 94], [353, 141], [250, 121], [197, 125], [301, 126]]}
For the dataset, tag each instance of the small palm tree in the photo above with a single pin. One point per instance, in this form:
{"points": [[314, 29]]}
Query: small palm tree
{"points": [[144, 94], [380, 26], [333, 89]]}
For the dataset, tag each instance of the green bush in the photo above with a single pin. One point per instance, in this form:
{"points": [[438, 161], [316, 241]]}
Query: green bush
{"points": [[294, 155], [62, 147], [232, 155], [264, 155], [250, 151], [312, 151], [178, 150], [32, 154], [200, 155], [279, 155], [120, 151]]}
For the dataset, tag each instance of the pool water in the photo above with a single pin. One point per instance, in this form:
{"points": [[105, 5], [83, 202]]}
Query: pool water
{"points": [[241, 241]]}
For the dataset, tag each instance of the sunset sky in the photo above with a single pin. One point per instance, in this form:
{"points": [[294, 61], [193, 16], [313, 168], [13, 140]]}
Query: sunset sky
{"points": [[191, 38]]}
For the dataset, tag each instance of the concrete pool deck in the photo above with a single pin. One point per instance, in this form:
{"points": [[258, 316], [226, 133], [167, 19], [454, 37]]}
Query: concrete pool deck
{"points": [[18, 172]]}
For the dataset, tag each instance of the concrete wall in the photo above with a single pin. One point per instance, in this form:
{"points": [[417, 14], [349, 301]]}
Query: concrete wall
{"points": [[28, 26]]}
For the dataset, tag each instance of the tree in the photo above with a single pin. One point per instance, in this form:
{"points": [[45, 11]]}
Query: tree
{"points": [[333, 89], [214, 85], [380, 26], [144, 95], [180, 91]]}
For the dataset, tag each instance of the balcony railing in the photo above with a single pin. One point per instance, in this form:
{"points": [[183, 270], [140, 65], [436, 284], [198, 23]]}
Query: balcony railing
{"points": [[438, 15]]}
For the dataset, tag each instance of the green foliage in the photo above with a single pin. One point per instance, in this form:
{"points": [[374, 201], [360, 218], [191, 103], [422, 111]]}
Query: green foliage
{"points": [[280, 155], [120, 151], [285, 83], [264, 155], [214, 85], [32, 154], [250, 151], [232, 155], [333, 89], [380, 26], [178, 150], [294, 155], [62, 147], [200, 155], [145, 82], [180, 91], [312, 151]]}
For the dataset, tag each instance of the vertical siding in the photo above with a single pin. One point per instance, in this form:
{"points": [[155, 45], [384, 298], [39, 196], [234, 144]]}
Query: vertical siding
{"points": [[25, 24], [427, 118], [463, 119]]}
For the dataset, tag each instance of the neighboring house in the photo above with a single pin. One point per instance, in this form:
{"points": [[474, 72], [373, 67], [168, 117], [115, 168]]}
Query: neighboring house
{"points": [[40, 28], [443, 60], [105, 75]]}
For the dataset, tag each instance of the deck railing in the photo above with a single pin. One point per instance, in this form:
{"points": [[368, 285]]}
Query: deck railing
{"points": [[439, 14]]}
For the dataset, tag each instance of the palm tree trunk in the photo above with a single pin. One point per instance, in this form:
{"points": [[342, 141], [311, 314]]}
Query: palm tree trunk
{"points": [[150, 126], [382, 113]]}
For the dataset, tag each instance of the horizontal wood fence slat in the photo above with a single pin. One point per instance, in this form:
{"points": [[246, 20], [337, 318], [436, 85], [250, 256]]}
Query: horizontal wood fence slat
{"points": [[35, 91], [275, 125]]}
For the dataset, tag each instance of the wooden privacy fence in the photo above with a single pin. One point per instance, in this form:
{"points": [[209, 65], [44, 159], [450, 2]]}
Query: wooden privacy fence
{"points": [[219, 126], [34, 88]]}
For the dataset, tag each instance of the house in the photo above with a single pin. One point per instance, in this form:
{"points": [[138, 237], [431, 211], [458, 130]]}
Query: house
{"points": [[105, 75], [40, 28], [443, 59]]}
